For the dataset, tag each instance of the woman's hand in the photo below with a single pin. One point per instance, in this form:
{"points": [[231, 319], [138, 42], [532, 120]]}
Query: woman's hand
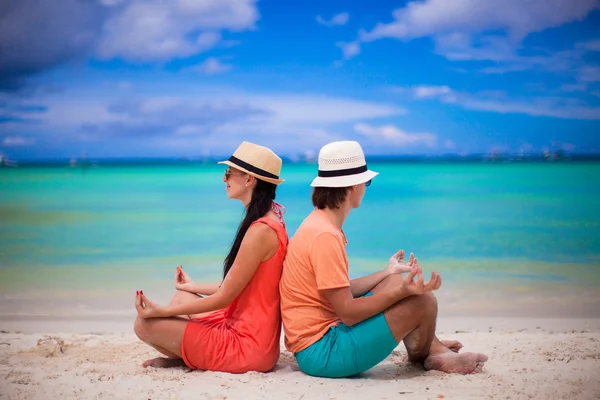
{"points": [[182, 280], [396, 263], [146, 308]]}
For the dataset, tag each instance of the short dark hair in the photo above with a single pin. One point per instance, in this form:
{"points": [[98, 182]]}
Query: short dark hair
{"points": [[326, 197]]}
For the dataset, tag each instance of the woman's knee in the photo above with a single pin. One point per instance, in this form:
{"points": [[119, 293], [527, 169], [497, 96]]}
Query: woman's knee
{"points": [[140, 327]]}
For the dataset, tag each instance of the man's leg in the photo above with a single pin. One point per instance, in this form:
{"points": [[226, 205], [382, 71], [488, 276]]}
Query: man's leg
{"points": [[413, 321]]}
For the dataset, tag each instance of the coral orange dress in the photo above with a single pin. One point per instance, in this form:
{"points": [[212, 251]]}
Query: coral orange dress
{"points": [[244, 336]]}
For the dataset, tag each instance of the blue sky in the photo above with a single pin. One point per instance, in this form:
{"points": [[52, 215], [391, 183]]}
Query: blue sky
{"points": [[171, 78]]}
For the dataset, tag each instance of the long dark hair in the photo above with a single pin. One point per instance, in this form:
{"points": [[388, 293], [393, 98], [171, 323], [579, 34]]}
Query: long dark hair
{"points": [[260, 204]]}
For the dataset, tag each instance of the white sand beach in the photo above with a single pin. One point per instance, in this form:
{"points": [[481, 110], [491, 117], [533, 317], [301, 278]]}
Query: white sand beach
{"points": [[528, 359]]}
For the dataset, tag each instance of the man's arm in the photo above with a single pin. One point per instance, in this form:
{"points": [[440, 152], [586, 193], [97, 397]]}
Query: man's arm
{"points": [[396, 265], [354, 310], [360, 286]]}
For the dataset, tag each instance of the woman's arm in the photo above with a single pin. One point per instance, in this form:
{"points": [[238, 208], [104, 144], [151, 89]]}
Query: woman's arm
{"points": [[184, 283], [207, 289], [260, 243]]}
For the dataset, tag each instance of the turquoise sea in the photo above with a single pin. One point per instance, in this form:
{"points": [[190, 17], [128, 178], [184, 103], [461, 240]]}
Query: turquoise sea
{"points": [[508, 238]]}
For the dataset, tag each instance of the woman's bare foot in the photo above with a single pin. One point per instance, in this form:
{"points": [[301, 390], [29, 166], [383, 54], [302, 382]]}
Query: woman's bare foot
{"points": [[453, 363], [453, 345], [163, 362]]}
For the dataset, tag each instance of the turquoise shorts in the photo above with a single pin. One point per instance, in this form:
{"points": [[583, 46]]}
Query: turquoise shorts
{"points": [[348, 350]]}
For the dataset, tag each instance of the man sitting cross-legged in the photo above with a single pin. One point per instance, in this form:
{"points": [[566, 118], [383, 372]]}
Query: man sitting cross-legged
{"points": [[337, 327]]}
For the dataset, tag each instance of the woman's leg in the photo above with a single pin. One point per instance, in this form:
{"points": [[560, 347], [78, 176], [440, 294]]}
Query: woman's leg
{"points": [[165, 335]]}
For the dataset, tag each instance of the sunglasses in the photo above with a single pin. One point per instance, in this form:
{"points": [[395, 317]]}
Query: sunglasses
{"points": [[229, 173], [368, 183]]}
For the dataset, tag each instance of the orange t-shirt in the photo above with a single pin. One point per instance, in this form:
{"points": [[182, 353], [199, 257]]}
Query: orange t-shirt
{"points": [[316, 260]]}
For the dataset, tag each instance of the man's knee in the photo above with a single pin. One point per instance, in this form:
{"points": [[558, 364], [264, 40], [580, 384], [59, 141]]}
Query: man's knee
{"points": [[430, 298], [416, 305], [428, 302]]}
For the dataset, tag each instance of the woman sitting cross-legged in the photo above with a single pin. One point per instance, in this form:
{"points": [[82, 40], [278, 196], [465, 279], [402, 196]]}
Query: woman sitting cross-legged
{"points": [[237, 327]]}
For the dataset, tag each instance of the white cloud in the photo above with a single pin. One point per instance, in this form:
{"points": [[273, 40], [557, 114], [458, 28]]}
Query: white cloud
{"points": [[589, 74], [124, 85], [557, 107], [515, 17], [504, 54], [396, 136], [504, 69], [449, 144], [485, 30], [119, 85], [460, 46], [424, 91], [336, 20], [349, 49], [11, 141], [314, 109], [539, 107], [592, 45], [185, 116], [208, 40], [212, 66], [163, 29], [573, 87]]}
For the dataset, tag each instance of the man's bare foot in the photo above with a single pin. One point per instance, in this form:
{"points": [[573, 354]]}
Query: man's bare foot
{"points": [[453, 363], [163, 362], [453, 345]]}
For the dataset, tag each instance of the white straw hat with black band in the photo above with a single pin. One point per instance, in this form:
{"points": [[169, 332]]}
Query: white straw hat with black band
{"points": [[258, 161], [342, 164]]}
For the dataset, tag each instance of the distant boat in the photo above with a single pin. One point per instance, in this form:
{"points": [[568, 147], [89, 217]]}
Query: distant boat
{"points": [[82, 163], [5, 162], [558, 155]]}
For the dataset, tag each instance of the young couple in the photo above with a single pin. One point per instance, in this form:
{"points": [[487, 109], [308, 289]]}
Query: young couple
{"points": [[334, 326]]}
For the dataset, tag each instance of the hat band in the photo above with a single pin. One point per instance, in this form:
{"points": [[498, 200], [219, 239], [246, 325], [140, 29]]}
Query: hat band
{"points": [[343, 172], [252, 168]]}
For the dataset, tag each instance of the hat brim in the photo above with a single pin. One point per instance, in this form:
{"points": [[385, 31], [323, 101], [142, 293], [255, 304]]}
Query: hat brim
{"points": [[344, 181], [257, 176]]}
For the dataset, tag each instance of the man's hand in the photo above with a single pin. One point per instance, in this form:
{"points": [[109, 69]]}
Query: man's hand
{"points": [[182, 280], [396, 263], [146, 308], [419, 286]]}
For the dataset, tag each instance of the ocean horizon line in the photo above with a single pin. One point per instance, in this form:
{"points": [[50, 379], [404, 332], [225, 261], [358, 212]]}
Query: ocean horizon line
{"points": [[198, 160]]}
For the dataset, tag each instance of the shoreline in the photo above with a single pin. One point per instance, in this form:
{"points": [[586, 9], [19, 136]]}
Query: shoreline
{"points": [[445, 325], [523, 364]]}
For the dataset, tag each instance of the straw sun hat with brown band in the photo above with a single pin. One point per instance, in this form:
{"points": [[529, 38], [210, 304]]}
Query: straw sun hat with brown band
{"points": [[258, 161]]}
